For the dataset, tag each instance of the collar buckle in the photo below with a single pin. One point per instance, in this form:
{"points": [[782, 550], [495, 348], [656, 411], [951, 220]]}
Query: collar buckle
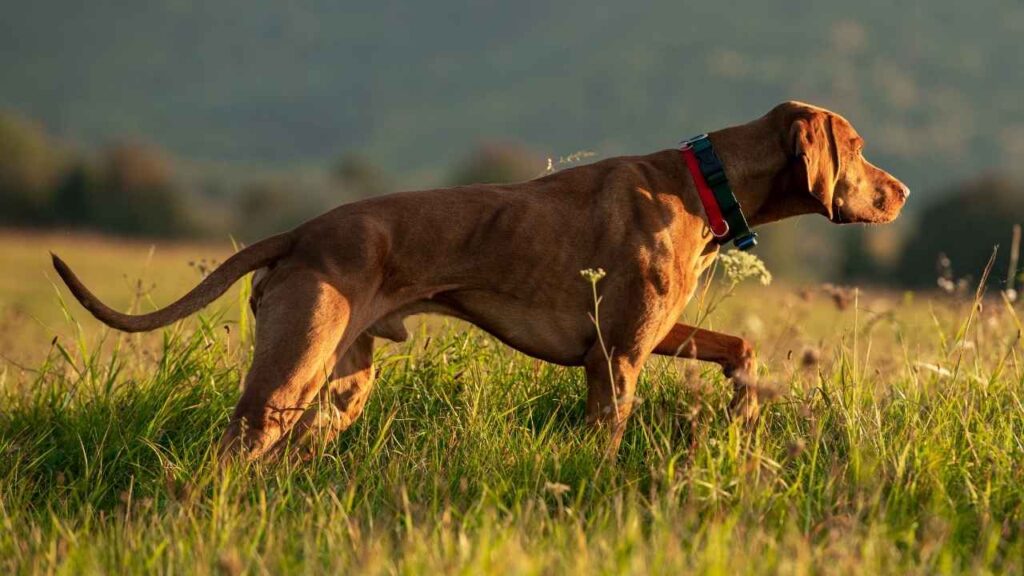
{"points": [[746, 242]]}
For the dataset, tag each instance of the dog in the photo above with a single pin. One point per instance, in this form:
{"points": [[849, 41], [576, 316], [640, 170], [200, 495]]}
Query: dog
{"points": [[507, 258]]}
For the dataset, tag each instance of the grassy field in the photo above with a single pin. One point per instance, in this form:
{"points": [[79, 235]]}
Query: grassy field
{"points": [[128, 274], [894, 444]]}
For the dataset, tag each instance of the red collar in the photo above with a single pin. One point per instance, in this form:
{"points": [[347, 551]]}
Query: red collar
{"points": [[719, 227]]}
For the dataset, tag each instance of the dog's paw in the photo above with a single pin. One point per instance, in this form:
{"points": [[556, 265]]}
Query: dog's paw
{"points": [[745, 405]]}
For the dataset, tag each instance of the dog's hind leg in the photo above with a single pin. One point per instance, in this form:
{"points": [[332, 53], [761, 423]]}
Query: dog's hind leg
{"points": [[300, 328], [339, 403]]}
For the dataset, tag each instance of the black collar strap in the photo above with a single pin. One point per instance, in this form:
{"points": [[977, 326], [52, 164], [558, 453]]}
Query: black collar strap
{"points": [[714, 175]]}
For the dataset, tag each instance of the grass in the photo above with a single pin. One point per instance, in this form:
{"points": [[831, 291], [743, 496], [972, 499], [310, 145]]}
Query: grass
{"points": [[130, 274], [894, 446]]}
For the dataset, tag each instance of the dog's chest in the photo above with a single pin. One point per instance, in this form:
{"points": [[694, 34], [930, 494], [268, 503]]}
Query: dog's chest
{"points": [[688, 272]]}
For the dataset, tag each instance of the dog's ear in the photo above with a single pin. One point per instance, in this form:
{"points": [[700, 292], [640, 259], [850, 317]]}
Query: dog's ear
{"points": [[813, 145]]}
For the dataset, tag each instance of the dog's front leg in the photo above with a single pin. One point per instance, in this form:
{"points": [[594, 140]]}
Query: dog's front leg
{"points": [[733, 354], [611, 385]]}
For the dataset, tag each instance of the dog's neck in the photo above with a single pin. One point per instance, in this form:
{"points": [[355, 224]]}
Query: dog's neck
{"points": [[757, 167]]}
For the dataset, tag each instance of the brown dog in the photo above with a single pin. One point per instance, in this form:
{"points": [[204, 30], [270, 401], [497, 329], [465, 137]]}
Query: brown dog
{"points": [[507, 258]]}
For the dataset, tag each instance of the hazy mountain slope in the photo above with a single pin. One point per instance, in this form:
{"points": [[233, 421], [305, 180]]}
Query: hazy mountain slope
{"points": [[936, 86]]}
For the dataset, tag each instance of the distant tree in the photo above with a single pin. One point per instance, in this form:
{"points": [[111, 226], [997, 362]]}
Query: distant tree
{"points": [[139, 195], [799, 249], [138, 166], [77, 197], [964, 225], [269, 207], [29, 168], [360, 178], [498, 163], [869, 253]]}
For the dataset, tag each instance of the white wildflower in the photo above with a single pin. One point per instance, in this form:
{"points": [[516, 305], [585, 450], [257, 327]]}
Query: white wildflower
{"points": [[739, 266], [592, 275]]}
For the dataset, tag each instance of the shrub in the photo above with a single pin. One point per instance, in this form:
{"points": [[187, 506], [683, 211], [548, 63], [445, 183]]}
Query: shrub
{"points": [[29, 168], [964, 225]]}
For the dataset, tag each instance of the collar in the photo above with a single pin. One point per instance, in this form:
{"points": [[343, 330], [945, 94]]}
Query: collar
{"points": [[725, 216]]}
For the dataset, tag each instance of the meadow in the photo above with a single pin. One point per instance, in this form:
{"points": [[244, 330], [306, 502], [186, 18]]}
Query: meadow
{"points": [[892, 442]]}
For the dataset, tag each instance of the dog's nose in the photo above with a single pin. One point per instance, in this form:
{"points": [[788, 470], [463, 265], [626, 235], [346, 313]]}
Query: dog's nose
{"points": [[904, 192]]}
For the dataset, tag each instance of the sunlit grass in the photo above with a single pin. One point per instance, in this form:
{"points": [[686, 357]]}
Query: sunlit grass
{"points": [[877, 456]]}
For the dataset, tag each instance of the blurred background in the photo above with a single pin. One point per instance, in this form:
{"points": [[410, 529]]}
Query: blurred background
{"points": [[172, 119]]}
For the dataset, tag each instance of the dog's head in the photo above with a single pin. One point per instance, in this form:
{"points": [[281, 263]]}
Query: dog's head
{"points": [[828, 164]]}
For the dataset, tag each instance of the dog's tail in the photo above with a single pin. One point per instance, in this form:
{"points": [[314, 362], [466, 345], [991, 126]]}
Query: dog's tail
{"points": [[260, 254]]}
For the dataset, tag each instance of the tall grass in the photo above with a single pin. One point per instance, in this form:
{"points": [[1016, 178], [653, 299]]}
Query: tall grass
{"points": [[878, 456]]}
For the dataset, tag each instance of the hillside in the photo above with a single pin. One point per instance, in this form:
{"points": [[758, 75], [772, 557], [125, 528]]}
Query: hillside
{"points": [[935, 87]]}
